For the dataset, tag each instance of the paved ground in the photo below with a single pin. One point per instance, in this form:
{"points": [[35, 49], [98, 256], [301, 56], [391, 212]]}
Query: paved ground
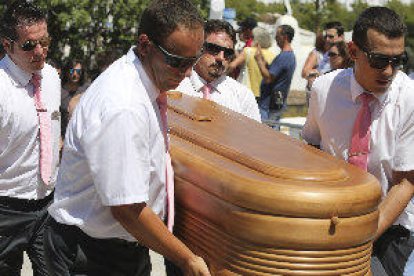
{"points": [[158, 268]]}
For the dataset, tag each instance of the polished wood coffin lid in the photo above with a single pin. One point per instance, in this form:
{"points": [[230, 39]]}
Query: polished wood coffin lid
{"points": [[258, 168]]}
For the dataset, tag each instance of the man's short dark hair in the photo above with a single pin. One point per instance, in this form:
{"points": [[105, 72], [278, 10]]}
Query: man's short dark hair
{"points": [[19, 13], [335, 25], [247, 24], [162, 17], [288, 31], [380, 19], [216, 25]]}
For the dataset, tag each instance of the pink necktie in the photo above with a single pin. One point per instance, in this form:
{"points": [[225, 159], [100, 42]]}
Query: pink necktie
{"points": [[206, 89], [45, 132], [162, 104], [361, 134]]}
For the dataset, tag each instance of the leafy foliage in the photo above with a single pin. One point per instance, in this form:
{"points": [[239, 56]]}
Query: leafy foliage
{"points": [[85, 29]]}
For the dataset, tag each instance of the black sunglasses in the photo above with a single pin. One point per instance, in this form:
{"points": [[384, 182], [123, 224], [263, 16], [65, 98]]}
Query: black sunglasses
{"points": [[332, 54], [380, 61], [329, 36], [215, 49], [176, 61], [29, 45]]}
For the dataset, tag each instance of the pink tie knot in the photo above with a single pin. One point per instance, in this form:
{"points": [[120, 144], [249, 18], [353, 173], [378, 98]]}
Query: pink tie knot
{"points": [[206, 89], [162, 101], [366, 98], [36, 78]]}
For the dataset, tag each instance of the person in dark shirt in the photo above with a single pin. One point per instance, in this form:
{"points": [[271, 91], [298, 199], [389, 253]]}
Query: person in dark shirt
{"points": [[73, 83], [277, 77]]}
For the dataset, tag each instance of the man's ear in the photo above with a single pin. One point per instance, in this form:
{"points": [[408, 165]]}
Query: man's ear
{"points": [[143, 44], [7, 45], [352, 49]]}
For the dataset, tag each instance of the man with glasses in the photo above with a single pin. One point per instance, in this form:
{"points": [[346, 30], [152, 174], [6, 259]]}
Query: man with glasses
{"points": [[111, 199], [365, 115], [209, 80], [29, 136]]}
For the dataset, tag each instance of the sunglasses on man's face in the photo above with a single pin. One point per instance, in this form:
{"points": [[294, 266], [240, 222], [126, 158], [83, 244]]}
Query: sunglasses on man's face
{"points": [[30, 45], [178, 62], [332, 54], [72, 71], [215, 49], [380, 61]]}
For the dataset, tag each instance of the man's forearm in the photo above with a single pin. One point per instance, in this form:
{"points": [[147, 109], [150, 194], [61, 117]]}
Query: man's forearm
{"points": [[394, 204], [141, 222]]}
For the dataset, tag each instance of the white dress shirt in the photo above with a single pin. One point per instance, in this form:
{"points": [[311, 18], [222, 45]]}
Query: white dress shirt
{"points": [[19, 129], [114, 152], [225, 91], [331, 116]]}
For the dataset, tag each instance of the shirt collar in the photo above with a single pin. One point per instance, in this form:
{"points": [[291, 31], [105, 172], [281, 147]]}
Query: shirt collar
{"points": [[198, 82], [18, 76], [357, 89], [152, 90]]}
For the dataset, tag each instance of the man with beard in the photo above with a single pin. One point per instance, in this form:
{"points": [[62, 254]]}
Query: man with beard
{"points": [[277, 77], [209, 80], [29, 136], [365, 115], [113, 191]]}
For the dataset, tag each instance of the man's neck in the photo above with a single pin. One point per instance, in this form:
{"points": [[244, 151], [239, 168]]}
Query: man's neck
{"points": [[287, 47]]}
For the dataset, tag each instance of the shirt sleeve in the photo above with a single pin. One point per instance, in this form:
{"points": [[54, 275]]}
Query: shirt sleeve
{"points": [[117, 150], [249, 105], [404, 152], [278, 66], [310, 132]]}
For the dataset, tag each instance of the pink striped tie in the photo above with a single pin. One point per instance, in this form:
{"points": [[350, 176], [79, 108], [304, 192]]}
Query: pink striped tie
{"points": [[206, 89], [45, 132], [162, 104], [361, 134]]}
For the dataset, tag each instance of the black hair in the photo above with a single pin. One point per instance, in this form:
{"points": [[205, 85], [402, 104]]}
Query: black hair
{"points": [[380, 19], [335, 25], [162, 17], [216, 25], [55, 63], [288, 31], [19, 13]]}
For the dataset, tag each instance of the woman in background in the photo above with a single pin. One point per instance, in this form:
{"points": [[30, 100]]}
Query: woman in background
{"points": [[250, 74], [73, 83], [310, 68], [339, 57]]}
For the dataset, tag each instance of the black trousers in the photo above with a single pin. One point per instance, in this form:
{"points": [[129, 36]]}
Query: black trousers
{"points": [[393, 249], [69, 251], [22, 225]]}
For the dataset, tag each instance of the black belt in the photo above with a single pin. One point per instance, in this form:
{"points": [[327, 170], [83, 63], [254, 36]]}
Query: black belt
{"points": [[75, 232], [394, 233], [399, 231], [20, 204]]}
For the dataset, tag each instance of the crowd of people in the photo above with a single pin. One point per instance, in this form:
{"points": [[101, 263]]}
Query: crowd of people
{"points": [[111, 190]]}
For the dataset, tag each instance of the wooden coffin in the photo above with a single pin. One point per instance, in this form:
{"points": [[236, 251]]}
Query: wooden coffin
{"points": [[253, 201]]}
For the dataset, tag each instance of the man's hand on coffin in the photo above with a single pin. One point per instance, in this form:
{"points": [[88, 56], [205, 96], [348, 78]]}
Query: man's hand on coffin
{"points": [[197, 267]]}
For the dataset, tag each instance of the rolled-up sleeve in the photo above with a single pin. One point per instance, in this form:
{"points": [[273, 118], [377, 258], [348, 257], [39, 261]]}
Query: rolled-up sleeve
{"points": [[117, 150]]}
